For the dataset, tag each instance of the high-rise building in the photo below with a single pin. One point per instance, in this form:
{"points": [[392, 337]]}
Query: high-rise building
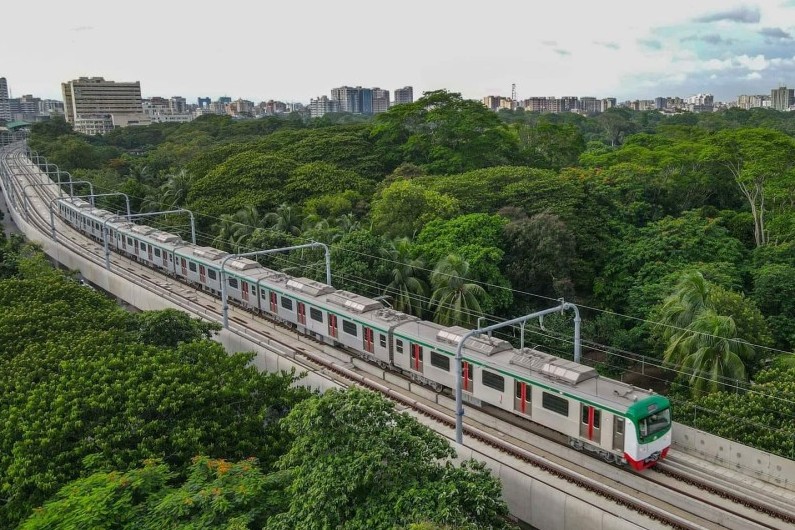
{"points": [[5, 109], [178, 105], [404, 95], [782, 98], [95, 106], [347, 98], [204, 102], [323, 105], [380, 100]]}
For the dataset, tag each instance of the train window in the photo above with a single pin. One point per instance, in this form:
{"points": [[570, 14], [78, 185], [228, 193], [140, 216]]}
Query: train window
{"points": [[143, 246], [192, 267], [349, 328], [584, 415], [233, 283], [129, 241], [440, 361], [555, 403], [597, 418], [619, 425], [287, 303], [211, 274], [316, 314], [492, 380], [157, 252], [382, 340], [399, 346]]}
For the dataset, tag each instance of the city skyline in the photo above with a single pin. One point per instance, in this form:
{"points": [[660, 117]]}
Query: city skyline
{"points": [[609, 50]]}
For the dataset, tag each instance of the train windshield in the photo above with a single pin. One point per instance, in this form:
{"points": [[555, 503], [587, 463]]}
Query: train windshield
{"points": [[657, 422]]}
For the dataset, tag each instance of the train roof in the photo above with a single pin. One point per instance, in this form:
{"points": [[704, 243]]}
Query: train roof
{"points": [[576, 379], [448, 337], [353, 302]]}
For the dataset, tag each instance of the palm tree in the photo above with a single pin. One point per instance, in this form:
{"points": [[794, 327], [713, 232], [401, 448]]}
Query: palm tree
{"points": [[225, 229], [407, 288], [700, 341], [285, 219], [454, 300], [709, 352], [175, 189]]}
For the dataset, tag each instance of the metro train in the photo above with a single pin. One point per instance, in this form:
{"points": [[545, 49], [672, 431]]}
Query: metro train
{"points": [[617, 421]]}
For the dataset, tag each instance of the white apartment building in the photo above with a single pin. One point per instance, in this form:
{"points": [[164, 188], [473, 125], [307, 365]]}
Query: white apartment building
{"points": [[91, 103]]}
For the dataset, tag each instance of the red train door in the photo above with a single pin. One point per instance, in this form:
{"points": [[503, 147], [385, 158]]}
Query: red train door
{"points": [[332, 325], [274, 308], [301, 313], [184, 265], [467, 376], [245, 290], [416, 357], [368, 340], [521, 402], [149, 248], [590, 423], [202, 274]]}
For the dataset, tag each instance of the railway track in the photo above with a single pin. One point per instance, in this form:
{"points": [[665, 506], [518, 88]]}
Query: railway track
{"points": [[677, 496]]}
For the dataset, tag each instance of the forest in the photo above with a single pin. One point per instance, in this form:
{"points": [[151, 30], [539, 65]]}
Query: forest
{"points": [[674, 234], [120, 420]]}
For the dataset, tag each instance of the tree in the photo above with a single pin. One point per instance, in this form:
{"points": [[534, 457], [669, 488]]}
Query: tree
{"points": [[403, 208], [356, 463], [285, 219], [703, 343], [755, 158], [321, 178], [455, 300], [407, 288], [168, 328], [216, 494], [78, 392], [443, 133], [540, 255], [357, 264], [479, 240], [774, 291]]}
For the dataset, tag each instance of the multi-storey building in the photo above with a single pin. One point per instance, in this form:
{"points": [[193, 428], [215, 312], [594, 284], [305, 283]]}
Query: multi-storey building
{"points": [[241, 107], [323, 105], [404, 95], [782, 98], [380, 100], [588, 105], [5, 109], [498, 102], [178, 105], [753, 101], [204, 102], [95, 105]]}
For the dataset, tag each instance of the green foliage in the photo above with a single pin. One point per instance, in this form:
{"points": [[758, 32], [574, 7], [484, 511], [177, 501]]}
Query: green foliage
{"points": [[356, 463], [75, 384], [168, 328], [357, 264], [321, 178], [761, 418], [246, 179], [443, 133], [403, 208], [216, 494], [774, 292], [478, 240], [643, 259], [455, 301], [706, 330], [540, 256]]}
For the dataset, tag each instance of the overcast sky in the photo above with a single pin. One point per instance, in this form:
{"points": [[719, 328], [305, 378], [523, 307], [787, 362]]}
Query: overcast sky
{"points": [[299, 49]]}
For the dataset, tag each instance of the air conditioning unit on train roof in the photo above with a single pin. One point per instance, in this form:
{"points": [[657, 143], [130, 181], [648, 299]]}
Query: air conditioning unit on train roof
{"points": [[209, 253], [479, 343], [353, 301], [308, 286]]}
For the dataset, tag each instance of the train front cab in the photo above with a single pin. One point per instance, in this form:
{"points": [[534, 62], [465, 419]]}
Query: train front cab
{"points": [[647, 436]]}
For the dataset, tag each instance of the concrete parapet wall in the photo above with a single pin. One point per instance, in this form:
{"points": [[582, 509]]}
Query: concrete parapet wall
{"points": [[747, 460]]}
